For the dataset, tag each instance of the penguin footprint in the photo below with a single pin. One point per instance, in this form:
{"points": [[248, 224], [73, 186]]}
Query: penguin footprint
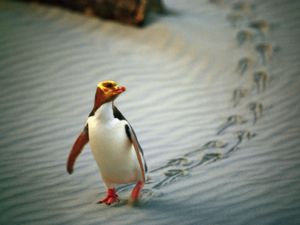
{"points": [[170, 176], [231, 121]]}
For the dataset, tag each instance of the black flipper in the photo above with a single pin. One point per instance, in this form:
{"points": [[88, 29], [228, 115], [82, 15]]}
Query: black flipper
{"points": [[130, 133]]}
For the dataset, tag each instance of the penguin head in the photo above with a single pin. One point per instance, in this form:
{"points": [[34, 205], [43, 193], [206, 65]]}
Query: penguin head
{"points": [[110, 89], [107, 91]]}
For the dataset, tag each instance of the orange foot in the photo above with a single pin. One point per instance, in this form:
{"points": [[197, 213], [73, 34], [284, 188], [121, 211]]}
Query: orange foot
{"points": [[110, 198], [136, 192]]}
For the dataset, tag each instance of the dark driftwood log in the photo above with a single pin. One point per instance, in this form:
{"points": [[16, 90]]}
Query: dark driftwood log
{"points": [[126, 11]]}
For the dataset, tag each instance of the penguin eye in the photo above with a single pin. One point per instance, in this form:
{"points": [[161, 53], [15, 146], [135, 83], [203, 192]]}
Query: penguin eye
{"points": [[108, 85]]}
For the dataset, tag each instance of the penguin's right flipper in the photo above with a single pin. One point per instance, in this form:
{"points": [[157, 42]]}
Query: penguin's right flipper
{"points": [[77, 148]]}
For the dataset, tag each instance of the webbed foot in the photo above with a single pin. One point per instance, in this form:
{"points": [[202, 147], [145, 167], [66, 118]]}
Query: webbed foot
{"points": [[136, 192], [110, 198]]}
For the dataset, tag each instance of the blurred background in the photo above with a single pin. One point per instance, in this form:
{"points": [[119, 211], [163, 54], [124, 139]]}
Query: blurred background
{"points": [[212, 93]]}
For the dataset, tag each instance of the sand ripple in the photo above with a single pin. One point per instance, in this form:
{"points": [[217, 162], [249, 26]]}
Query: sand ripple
{"points": [[213, 94]]}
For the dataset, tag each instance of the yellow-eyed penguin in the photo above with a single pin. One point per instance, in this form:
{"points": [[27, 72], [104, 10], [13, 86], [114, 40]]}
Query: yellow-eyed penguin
{"points": [[113, 143]]}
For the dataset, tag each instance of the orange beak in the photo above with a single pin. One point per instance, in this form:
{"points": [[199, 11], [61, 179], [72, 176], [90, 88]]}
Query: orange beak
{"points": [[120, 89]]}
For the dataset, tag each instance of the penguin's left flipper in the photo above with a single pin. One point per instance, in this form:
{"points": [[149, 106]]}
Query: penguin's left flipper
{"points": [[133, 139], [77, 148]]}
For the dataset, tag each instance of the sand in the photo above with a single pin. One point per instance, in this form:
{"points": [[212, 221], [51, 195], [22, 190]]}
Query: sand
{"points": [[212, 93]]}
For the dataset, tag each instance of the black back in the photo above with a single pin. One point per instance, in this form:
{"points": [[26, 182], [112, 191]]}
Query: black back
{"points": [[119, 115]]}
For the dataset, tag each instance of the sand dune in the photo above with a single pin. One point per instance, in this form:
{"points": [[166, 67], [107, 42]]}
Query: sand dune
{"points": [[212, 92]]}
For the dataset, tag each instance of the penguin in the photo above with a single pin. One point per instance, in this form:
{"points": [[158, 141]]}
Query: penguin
{"points": [[114, 144]]}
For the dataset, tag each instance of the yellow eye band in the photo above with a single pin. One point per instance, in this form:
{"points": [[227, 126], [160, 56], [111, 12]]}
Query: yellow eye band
{"points": [[107, 84]]}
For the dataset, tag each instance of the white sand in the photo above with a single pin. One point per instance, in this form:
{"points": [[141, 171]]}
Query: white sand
{"points": [[181, 73]]}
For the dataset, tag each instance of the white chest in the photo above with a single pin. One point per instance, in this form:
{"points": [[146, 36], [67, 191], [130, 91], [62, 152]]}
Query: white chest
{"points": [[108, 138], [112, 150]]}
